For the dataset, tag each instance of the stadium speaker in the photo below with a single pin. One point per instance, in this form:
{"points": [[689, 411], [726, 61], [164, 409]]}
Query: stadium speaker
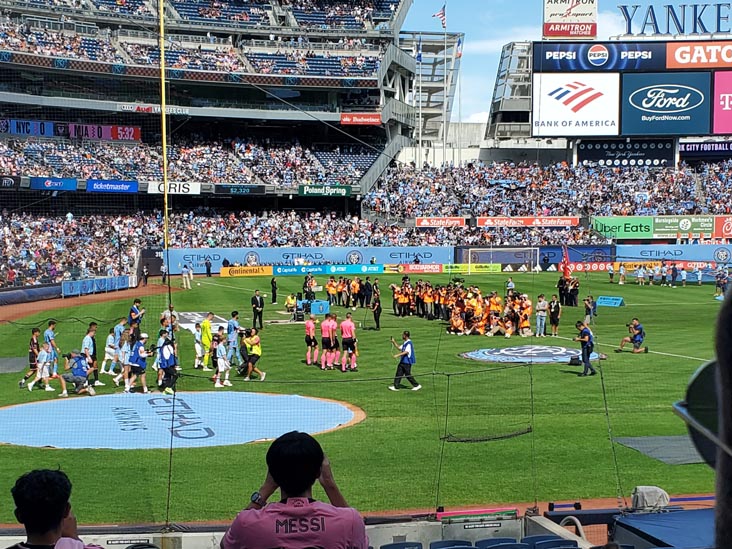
{"points": [[299, 316]]}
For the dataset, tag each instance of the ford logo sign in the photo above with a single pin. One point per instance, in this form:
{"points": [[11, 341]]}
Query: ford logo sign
{"points": [[666, 98]]}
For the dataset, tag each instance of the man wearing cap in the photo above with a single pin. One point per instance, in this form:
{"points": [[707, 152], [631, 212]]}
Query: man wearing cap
{"points": [[77, 371], [138, 362]]}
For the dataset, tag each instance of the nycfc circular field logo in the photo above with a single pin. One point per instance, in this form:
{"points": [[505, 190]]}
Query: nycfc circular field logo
{"points": [[544, 354], [191, 420]]}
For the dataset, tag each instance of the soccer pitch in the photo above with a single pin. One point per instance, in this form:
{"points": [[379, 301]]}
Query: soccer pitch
{"points": [[535, 431]]}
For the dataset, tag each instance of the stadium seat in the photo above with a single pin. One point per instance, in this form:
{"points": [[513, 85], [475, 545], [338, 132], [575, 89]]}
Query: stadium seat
{"points": [[402, 545], [490, 542], [531, 541], [510, 546], [554, 544], [450, 543]]}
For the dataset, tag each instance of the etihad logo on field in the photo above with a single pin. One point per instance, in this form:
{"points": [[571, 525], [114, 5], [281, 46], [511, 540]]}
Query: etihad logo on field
{"points": [[666, 99], [576, 95]]}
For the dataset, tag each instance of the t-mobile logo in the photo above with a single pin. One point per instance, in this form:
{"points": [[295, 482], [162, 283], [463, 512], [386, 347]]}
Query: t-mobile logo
{"points": [[725, 99]]}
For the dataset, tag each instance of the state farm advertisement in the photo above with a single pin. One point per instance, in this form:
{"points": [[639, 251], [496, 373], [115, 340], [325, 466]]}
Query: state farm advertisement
{"points": [[528, 221], [361, 119], [570, 19], [698, 55], [436, 222], [571, 104]]}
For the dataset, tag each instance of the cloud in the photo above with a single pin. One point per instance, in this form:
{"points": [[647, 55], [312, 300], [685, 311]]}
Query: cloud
{"points": [[610, 23], [494, 45], [477, 117]]}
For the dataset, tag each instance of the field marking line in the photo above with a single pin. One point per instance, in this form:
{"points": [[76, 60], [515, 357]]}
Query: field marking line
{"points": [[649, 352], [230, 286]]}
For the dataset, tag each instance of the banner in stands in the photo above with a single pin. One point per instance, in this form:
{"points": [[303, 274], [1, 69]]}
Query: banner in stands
{"points": [[330, 270], [427, 268], [693, 150], [667, 226], [528, 221], [361, 119], [299, 257], [722, 226], [590, 266], [240, 189], [570, 19], [472, 268], [567, 105], [110, 186], [323, 190], [655, 252], [174, 187], [9, 182], [94, 285], [599, 57], [259, 270], [436, 222], [618, 152], [666, 103], [53, 183]]}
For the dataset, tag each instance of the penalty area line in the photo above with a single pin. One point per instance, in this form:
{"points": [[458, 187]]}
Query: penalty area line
{"points": [[228, 286], [649, 352]]}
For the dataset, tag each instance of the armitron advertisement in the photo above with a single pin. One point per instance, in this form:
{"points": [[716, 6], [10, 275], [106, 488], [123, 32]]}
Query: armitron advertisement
{"points": [[570, 19], [666, 103], [567, 104]]}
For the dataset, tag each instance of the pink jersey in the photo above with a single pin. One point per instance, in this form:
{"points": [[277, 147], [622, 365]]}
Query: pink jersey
{"points": [[325, 329], [310, 328], [297, 523], [348, 329]]}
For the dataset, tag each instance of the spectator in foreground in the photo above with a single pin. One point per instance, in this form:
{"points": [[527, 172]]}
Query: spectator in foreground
{"points": [[42, 506], [295, 461]]}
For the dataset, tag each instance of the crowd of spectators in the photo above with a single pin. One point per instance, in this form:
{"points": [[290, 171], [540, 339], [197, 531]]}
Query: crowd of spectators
{"points": [[334, 13], [21, 37], [221, 59], [38, 249], [508, 189]]}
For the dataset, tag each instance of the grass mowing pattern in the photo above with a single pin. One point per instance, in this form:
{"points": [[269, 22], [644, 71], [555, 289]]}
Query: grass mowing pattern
{"points": [[391, 460]]}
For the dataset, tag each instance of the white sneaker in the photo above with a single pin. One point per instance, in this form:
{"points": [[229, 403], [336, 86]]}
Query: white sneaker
{"points": [[227, 383], [205, 369], [264, 374], [392, 388], [30, 385], [116, 381], [417, 388], [63, 394], [219, 385], [50, 389], [98, 383], [246, 379], [92, 392]]}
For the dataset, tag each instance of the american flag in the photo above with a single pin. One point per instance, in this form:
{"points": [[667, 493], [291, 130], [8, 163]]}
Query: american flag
{"points": [[441, 16]]}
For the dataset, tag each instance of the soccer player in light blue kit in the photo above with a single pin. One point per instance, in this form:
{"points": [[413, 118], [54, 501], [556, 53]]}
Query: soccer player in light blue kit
{"points": [[49, 336], [232, 337]]}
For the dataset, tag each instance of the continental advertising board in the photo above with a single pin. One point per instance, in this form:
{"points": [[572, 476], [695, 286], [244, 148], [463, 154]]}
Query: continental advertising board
{"points": [[260, 270], [666, 104], [659, 227], [566, 104]]}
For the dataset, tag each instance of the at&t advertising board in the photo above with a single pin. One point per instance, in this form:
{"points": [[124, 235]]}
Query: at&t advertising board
{"points": [[566, 104], [599, 56], [666, 104]]}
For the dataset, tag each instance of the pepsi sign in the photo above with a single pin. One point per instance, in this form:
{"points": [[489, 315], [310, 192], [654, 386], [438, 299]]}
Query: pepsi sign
{"points": [[666, 104], [599, 56]]}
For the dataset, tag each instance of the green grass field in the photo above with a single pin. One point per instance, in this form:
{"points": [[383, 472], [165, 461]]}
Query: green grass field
{"points": [[395, 460]]}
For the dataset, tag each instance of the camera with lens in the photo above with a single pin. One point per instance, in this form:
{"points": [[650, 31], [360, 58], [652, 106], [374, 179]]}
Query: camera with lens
{"points": [[67, 356], [245, 332], [627, 325]]}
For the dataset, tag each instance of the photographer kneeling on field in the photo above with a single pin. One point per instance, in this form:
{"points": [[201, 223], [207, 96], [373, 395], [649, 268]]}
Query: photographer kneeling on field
{"points": [[637, 335], [77, 370]]}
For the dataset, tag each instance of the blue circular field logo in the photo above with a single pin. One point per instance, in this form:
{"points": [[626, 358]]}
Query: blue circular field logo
{"points": [[251, 259], [148, 421], [544, 354], [722, 255], [354, 257]]}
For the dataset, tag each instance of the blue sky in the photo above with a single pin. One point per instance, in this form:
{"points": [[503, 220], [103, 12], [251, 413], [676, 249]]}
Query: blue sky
{"points": [[488, 25]]}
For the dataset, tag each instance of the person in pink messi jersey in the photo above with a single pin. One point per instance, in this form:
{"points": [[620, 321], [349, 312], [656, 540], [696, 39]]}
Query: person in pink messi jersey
{"points": [[294, 462], [348, 336], [326, 341], [310, 341]]}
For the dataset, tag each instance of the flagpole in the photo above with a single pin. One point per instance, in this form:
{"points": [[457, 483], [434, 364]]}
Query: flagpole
{"points": [[444, 106], [420, 121], [460, 118]]}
